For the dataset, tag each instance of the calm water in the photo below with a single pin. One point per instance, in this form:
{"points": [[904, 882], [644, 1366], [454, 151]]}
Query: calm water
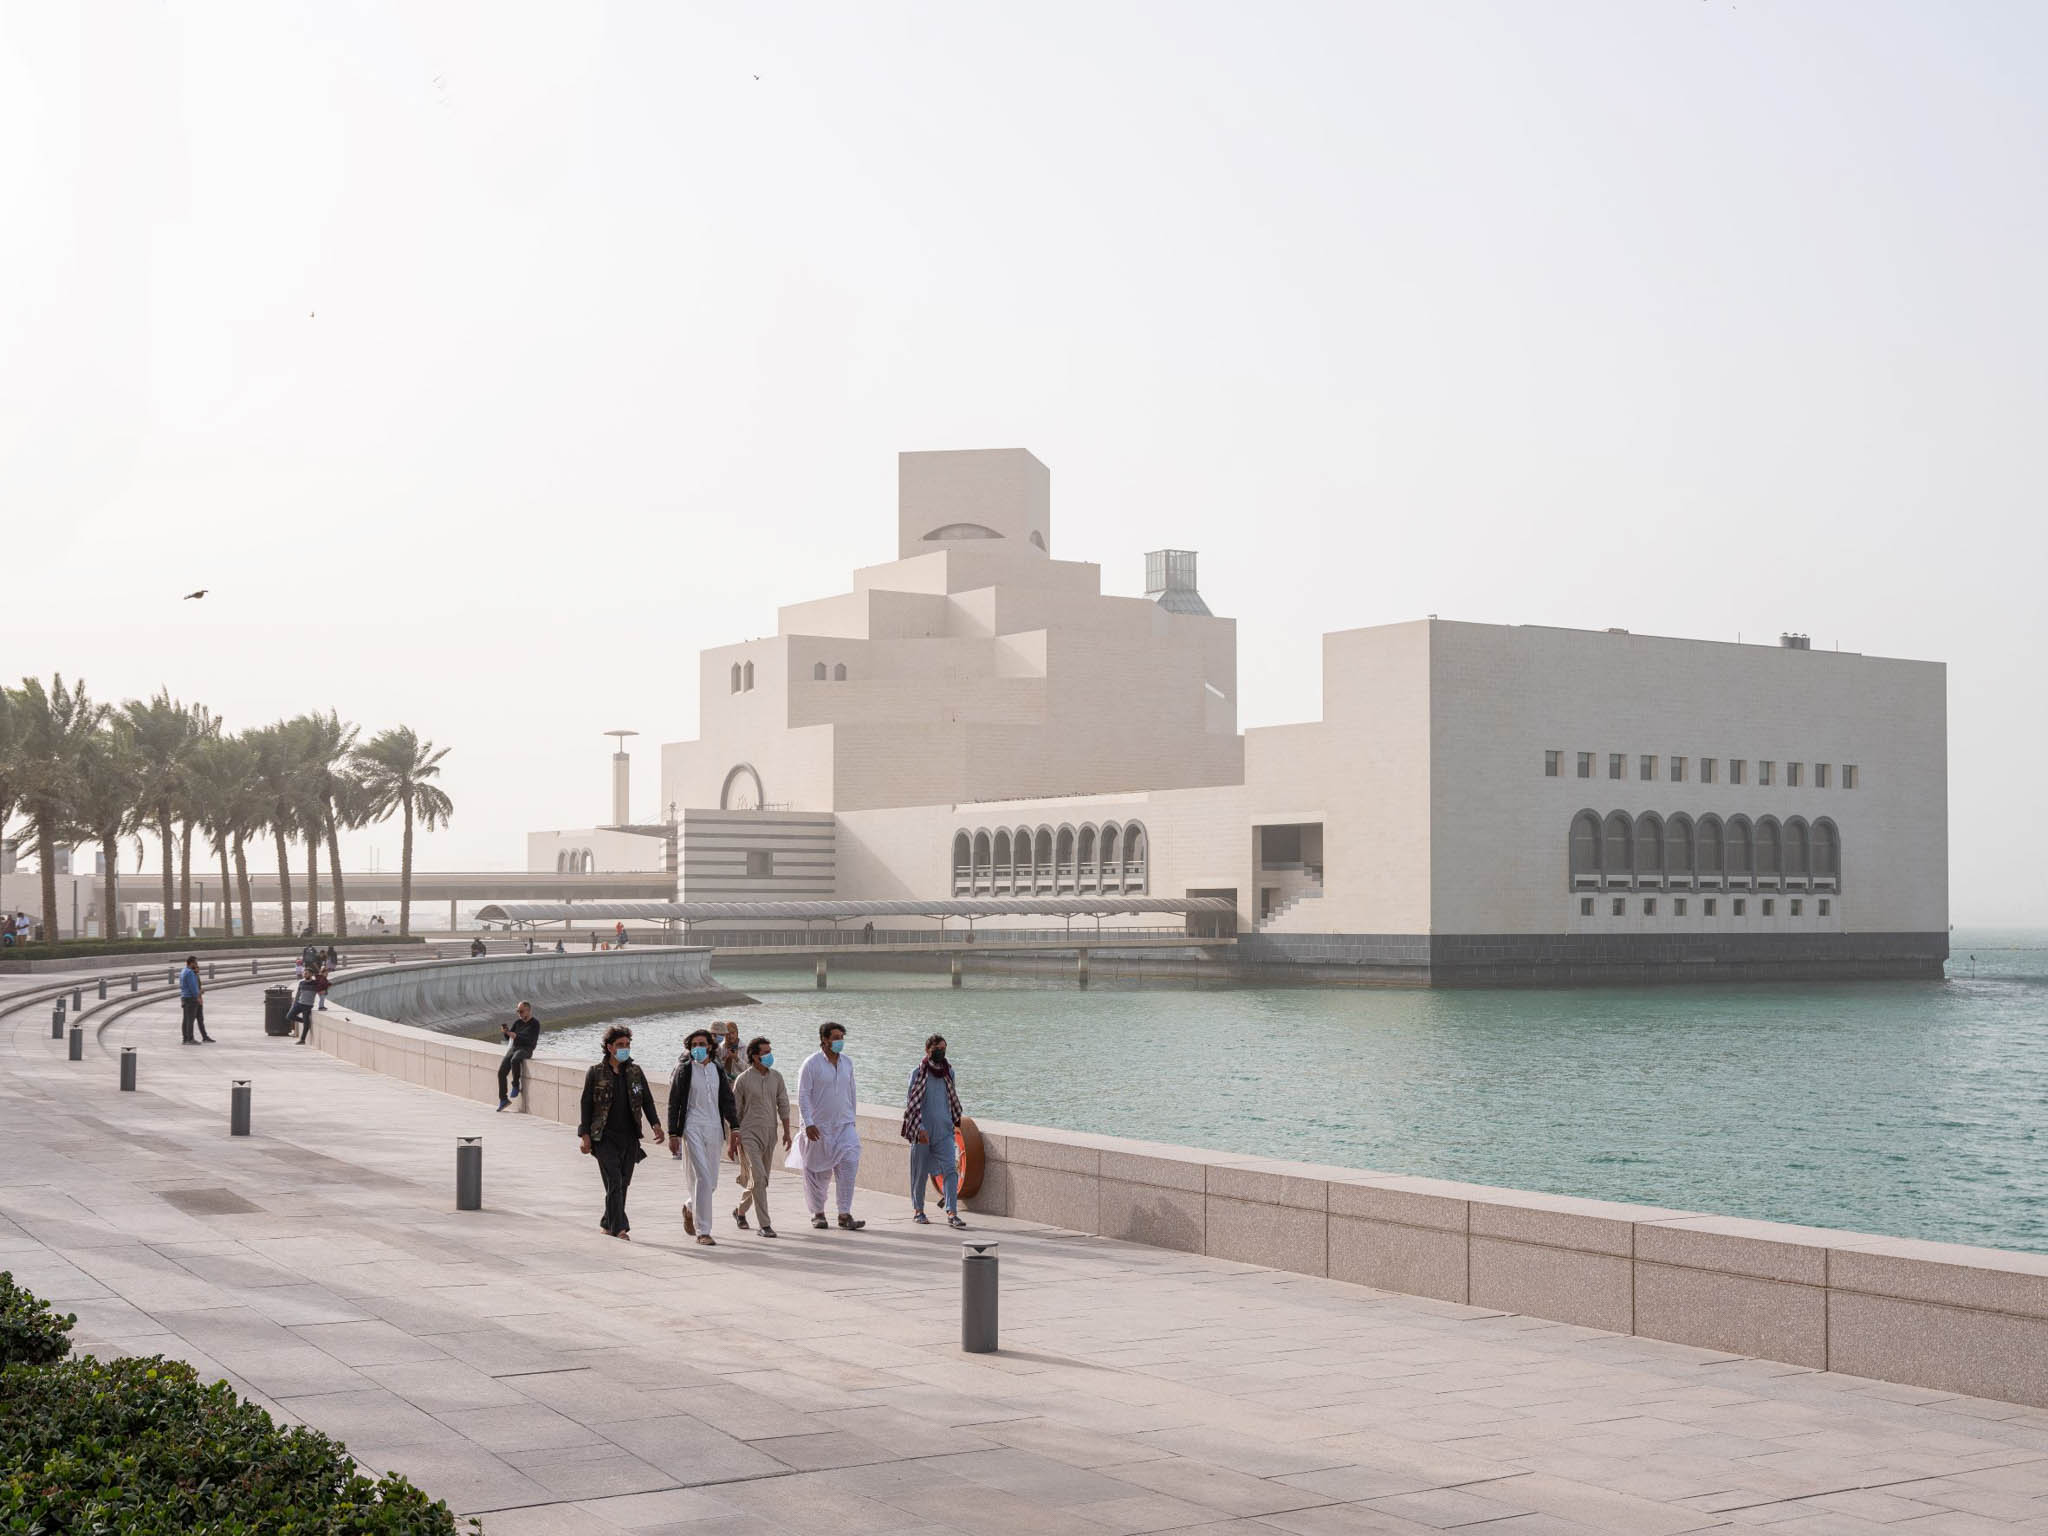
{"points": [[1911, 1108]]}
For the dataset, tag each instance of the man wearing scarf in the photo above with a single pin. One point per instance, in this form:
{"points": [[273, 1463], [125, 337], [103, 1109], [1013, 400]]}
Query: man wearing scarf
{"points": [[930, 1118]]}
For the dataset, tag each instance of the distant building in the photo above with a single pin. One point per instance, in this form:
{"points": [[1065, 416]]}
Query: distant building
{"points": [[1479, 802]]}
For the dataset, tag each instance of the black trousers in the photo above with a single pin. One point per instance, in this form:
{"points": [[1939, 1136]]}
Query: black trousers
{"points": [[194, 1011], [615, 1164], [302, 1013], [514, 1066]]}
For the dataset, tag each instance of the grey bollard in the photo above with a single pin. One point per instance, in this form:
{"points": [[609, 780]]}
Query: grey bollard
{"points": [[134, 982], [212, 970], [77, 1051], [469, 1173], [978, 1298], [252, 968], [78, 1000], [57, 1020], [170, 978], [127, 1069], [238, 1107], [103, 989]]}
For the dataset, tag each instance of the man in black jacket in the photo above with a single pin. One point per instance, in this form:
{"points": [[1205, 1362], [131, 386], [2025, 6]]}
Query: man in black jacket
{"points": [[615, 1096], [524, 1033], [701, 1115]]}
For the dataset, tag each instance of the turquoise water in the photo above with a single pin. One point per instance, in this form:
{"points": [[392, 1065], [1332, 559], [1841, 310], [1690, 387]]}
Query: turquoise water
{"points": [[1910, 1108]]}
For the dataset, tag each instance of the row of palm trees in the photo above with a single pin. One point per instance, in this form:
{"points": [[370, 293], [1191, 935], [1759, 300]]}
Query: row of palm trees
{"points": [[81, 771]]}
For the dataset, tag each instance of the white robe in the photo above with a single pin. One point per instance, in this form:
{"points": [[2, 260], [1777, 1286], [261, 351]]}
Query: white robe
{"points": [[703, 1137], [826, 1098]]}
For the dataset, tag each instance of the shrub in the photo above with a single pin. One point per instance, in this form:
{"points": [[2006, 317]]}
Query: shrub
{"points": [[139, 1447], [30, 1333]]}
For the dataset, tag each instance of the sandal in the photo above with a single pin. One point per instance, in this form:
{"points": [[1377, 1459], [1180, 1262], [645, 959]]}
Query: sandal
{"points": [[689, 1221], [706, 1240], [846, 1220], [820, 1222], [770, 1232], [740, 1217]]}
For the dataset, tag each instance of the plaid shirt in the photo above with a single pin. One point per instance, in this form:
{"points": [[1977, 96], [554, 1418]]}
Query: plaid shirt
{"points": [[913, 1112]]}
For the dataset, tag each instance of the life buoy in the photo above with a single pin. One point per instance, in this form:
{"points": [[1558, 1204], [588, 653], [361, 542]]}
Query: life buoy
{"points": [[967, 1158]]}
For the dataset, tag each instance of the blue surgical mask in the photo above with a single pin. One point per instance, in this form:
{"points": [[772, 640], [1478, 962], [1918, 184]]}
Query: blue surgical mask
{"points": [[767, 1058], [835, 1046], [624, 1053], [698, 1053]]}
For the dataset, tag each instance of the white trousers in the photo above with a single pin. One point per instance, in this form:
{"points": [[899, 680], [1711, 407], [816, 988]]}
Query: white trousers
{"points": [[834, 1155], [703, 1151]]}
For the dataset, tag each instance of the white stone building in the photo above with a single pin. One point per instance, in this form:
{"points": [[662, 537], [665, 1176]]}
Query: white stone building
{"points": [[1478, 802]]}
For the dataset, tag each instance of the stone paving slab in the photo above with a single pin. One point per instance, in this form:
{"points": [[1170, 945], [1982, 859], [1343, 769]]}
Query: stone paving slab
{"points": [[519, 1364]]}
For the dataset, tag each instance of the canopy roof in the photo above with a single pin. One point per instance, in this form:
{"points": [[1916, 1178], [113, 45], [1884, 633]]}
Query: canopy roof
{"points": [[840, 911]]}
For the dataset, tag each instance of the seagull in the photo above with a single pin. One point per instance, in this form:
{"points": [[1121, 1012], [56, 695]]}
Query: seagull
{"points": [[189, 596]]}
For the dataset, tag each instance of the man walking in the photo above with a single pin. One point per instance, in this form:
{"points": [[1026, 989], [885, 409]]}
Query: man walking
{"points": [[701, 1115], [192, 1001], [615, 1095], [929, 1119], [762, 1100], [524, 1033], [826, 1100]]}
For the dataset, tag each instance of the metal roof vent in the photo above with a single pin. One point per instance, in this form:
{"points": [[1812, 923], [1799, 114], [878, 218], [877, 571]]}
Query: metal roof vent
{"points": [[1170, 581], [1795, 643]]}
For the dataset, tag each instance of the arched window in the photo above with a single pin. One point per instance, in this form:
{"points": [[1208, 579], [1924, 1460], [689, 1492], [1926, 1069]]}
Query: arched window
{"points": [[1796, 846], [1112, 856], [1064, 854], [1005, 869], [589, 861], [817, 671], [1710, 845], [735, 677], [1741, 849], [1084, 858], [1650, 845], [747, 678], [961, 531], [1827, 850], [561, 862], [963, 857], [1618, 856], [839, 673], [742, 789], [1769, 846], [1678, 845], [1134, 857], [1585, 847], [1041, 850], [981, 857]]}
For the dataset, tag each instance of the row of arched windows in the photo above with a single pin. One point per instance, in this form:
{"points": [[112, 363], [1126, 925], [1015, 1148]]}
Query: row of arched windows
{"points": [[838, 672], [575, 861], [1051, 861], [1650, 851], [743, 677]]}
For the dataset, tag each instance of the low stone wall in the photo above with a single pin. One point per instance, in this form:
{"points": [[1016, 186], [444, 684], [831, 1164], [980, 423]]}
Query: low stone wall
{"points": [[462, 994], [1936, 1315]]}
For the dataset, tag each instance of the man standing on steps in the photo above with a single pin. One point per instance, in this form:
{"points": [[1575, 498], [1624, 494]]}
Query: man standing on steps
{"points": [[192, 1001], [826, 1100], [524, 1033]]}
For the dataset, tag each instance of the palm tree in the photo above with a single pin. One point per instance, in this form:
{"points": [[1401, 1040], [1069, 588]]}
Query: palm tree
{"points": [[51, 729], [328, 741], [223, 775], [163, 736], [102, 803], [277, 791], [205, 727], [7, 782], [396, 768]]}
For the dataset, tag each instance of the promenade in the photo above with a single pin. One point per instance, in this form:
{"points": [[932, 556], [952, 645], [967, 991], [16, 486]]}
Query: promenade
{"points": [[521, 1365]]}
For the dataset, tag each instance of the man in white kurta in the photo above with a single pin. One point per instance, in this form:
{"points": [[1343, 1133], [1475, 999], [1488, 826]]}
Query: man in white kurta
{"points": [[826, 1102]]}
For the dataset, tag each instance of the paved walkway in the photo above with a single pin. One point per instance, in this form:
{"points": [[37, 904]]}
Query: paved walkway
{"points": [[517, 1363]]}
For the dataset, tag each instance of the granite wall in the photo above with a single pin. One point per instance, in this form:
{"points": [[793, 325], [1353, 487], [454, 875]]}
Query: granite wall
{"points": [[457, 995]]}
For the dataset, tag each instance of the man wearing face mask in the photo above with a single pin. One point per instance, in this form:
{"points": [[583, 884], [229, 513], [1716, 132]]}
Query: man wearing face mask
{"points": [[763, 1103], [929, 1119], [615, 1096], [831, 1148], [701, 1116]]}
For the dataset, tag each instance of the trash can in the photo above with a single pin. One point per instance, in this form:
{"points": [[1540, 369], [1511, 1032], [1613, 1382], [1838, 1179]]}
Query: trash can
{"points": [[277, 1002]]}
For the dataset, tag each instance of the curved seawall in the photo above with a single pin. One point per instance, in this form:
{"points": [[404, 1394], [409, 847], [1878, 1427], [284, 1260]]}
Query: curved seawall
{"points": [[451, 996]]}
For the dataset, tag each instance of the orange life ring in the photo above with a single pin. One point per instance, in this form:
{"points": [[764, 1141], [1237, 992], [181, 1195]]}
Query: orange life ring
{"points": [[967, 1157]]}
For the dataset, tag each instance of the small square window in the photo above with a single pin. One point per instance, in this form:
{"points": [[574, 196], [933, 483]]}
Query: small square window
{"points": [[760, 864], [1649, 906], [1678, 906], [1770, 905], [1621, 906], [1706, 770], [1735, 770], [1708, 904], [1820, 775], [1763, 770], [1550, 762], [1793, 774], [1848, 775], [1741, 906], [1615, 764], [1798, 905], [1825, 906], [1585, 765], [1585, 906], [1678, 770], [1648, 766]]}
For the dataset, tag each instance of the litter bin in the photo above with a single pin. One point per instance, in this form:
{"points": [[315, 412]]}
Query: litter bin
{"points": [[277, 1002]]}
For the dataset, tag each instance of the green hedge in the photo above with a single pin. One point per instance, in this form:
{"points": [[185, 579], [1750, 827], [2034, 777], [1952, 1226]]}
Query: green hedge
{"points": [[30, 1332], [83, 949]]}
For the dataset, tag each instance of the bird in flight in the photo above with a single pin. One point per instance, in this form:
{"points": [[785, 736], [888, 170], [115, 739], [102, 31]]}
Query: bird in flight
{"points": [[200, 593]]}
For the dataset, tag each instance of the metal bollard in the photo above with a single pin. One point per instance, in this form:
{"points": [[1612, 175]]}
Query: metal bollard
{"points": [[134, 982], [212, 970], [127, 1069], [978, 1298], [57, 1020], [103, 989], [78, 1000], [238, 1107], [170, 978], [77, 1051], [469, 1173], [252, 968]]}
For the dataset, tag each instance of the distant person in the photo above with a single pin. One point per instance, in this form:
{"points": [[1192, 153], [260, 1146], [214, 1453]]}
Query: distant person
{"points": [[192, 1002], [831, 1149], [593, 939], [478, 948], [619, 935], [331, 960], [762, 1099], [529, 944], [930, 1117], [309, 956], [561, 948], [731, 1059], [867, 933], [524, 1033], [615, 1096], [302, 1007], [320, 986], [703, 1119]]}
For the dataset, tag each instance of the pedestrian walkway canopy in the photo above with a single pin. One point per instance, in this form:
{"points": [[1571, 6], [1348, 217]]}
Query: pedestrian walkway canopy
{"points": [[522, 913]]}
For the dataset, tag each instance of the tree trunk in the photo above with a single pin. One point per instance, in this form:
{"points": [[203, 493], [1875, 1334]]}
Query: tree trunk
{"points": [[242, 882], [185, 883], [404, 878], [313, 884], [227, 891], [110, 885], [170, 854], [284, 884], [46, 855], [334, 871]]}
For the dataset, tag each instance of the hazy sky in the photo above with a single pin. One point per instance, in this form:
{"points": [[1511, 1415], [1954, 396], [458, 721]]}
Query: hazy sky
{"points": [[487, 361]]}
